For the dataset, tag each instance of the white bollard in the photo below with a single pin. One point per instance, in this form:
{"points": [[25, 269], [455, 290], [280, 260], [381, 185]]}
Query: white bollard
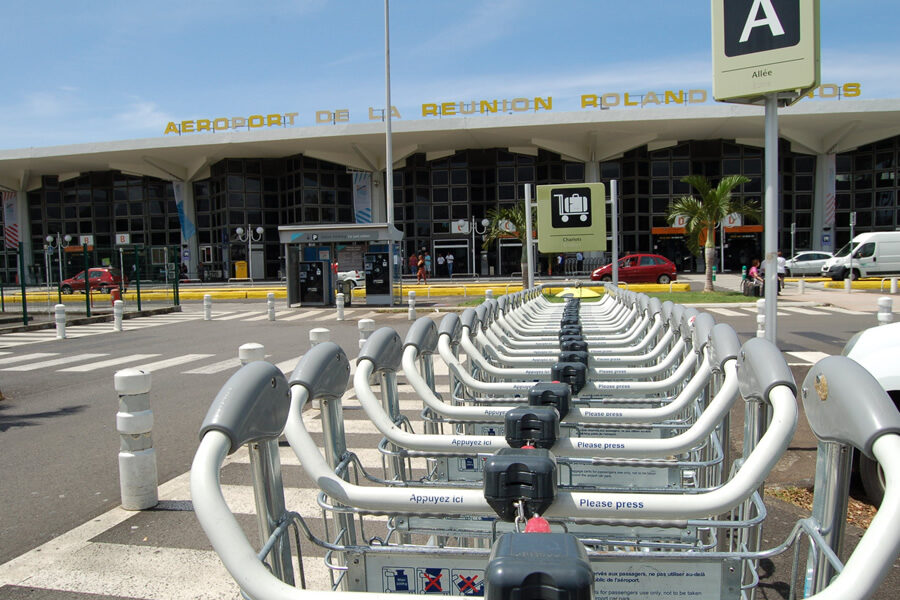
{"points": [[893, 285], [885, 310], [802, 285], [848, 284], [251, 352], [207, 307], [118, 311], [60, 317], [339, 305], [270, 305], [412, 305], [761, 317], [366, 327], [318, 336], [489, 294], [138, 481]]}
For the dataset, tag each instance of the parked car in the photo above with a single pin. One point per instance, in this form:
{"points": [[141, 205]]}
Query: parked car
{"points": [[876, 349], [639, 268], [104, 279], [356, 278], [808, 262]]}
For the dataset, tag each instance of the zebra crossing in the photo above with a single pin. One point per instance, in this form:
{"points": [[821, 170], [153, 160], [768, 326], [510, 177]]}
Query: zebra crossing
{"points": [[322, 315], [163, 553], [783, 311]]}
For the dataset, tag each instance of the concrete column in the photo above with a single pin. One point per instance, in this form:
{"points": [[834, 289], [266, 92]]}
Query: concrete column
{"points": [[25, 232], [187, 216], [823, 201], [379, 198], [592, 171]]}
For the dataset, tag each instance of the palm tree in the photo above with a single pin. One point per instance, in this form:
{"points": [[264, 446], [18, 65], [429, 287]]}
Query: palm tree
{"points": [[705, 213], [499, 227]]}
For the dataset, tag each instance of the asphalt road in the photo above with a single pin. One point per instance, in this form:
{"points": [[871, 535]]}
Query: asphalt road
{"points": [[59, 445]]}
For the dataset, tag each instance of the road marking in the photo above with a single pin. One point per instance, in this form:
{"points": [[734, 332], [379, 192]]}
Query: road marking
{"points": [[845, 311], [54, 362], [299, 315], [328, 316], [171, 362], [287, 366], [240, 315], [725, 312], [24, 357], [216, 367], [809, 358], [803, 311], [107, 363]]}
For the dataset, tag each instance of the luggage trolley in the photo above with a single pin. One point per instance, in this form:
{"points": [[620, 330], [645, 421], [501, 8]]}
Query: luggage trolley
{"points": [[846, 406]]}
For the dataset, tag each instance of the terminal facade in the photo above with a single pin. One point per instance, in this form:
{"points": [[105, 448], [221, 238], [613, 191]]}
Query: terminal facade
{"points": [[182, 202]]}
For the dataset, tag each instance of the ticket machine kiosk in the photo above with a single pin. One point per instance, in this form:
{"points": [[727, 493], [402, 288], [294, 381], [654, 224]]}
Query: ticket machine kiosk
{"points": [[378, 278], [316, 287]]}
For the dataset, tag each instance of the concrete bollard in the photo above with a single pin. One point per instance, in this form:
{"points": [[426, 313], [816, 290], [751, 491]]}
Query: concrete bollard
{"points": [[270, 305], [118, 311], [412, 305], [366, 327], [885, 310], [138, 480], [207, 307], [848, 285], [802, 285], [339, 305], [318, 336], [59, 315], [761, 317], [893, 285], [251, 352]]}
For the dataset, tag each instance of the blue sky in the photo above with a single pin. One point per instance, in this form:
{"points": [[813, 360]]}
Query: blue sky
{"points": [[102, 70]]}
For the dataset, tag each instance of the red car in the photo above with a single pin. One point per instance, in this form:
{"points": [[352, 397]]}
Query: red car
{"points": [[639, 268], [102, 278]]}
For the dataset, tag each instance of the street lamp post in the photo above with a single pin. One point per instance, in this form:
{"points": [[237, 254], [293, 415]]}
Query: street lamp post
{"points": [[249, 235], [59, 242], [474, 229]]}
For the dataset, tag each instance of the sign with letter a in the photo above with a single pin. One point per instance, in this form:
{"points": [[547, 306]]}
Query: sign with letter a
{"points": [[764, 46]]}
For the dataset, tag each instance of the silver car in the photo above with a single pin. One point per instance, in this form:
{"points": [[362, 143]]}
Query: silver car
{"points": [[807, 263]]}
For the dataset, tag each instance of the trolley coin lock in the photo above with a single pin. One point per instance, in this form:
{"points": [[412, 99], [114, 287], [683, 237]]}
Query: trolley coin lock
{"points": [[515, 478], [575, 344], [573, 373], [555, 394], [536, 426]]}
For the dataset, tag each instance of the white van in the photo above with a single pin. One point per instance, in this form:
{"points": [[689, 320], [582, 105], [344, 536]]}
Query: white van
{"points": [[874, 254]]}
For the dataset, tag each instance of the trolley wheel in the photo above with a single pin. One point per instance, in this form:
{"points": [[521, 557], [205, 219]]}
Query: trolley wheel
{"points": [[872, 476]]}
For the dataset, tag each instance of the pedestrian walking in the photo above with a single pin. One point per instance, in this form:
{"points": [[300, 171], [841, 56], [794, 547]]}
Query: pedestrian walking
{"points": [[421, 276], [449, 260], [579, 258], [782, 271], [428, 263], [413, 261]]}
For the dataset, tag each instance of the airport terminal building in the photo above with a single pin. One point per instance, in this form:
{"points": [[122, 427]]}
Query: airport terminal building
{"points": [[181, 197]]}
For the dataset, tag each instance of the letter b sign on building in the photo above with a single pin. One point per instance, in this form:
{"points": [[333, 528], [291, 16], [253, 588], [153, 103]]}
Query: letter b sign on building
{"points": [[764, 46]]}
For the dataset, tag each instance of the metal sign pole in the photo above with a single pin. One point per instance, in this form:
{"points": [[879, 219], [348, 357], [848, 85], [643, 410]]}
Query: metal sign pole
{"points": [[528, 239], [614, 199], [771, 217]]}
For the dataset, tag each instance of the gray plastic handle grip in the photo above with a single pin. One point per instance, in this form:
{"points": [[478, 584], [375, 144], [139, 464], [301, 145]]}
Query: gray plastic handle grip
{"points": [[324, 371], [253, 405], [724, 345], [655, 306], [703, 326], [845, 403], [422, 335], [451, 326], [501, 303], [666, 311], [685, 326], [481, 314], [675, 318], [760, 367], [384, 349]]}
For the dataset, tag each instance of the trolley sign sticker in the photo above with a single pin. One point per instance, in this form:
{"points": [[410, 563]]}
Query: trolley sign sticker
{"points": [[396, 580], [468, 582], [571, 217], [433, 580]]}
